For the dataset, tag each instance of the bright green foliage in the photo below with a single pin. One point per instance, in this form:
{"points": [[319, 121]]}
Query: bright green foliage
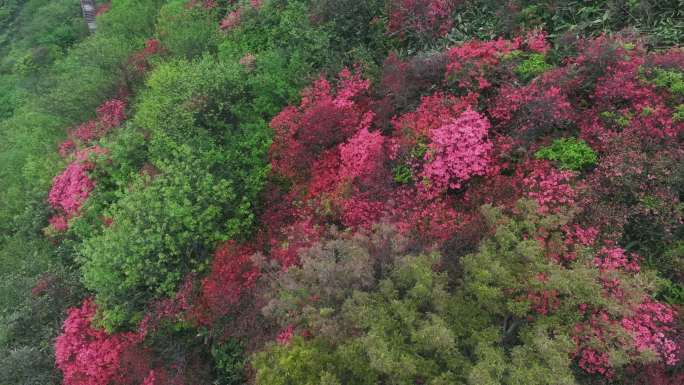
{"points": [[279, 49], [403, 174], [508, 348], [312, 362], [614, 118], [85, 77], [50, 23], [130, 20], [40, 99], [671, 80], [180, 93], [569, 153], [8, 100], [399, 304], [178, 217], [678, 115], [532, 66], [408, 324], [39, 30], [25, 139], [279, 25], [211, 166], [670, 264], [515, 342]]}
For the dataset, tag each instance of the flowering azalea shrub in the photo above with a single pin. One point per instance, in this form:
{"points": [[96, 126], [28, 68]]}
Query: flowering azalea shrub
{"points": [[232, 275], [469, 63], [422, 17], [87, 355], [458, 151], [323, 119], [140, 61], [110, 114], [71, 188]]}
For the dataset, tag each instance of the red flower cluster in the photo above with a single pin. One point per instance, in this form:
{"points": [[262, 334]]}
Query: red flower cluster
{"points": [[549, 187], [110, 114], [140, 61], [286, 335], [232, 274], [424, 17], [89, 356], [648, 327], [536, 41], [323, 119], [470, 62], [103, 8], [69, 190], [231, 21]]}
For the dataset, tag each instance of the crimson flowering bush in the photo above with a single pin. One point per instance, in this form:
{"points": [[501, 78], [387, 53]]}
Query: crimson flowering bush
{"points": [[71, 188], [428, 18], [442, 145], [110, 114], [232, 276], [140, 61], [69, 191], [550, 188], [324, 118], [231, 21], [362, 155], [469, 63], [87, 355], [536, 41]]}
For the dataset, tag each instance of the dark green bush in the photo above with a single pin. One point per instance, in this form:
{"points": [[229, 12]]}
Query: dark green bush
{"points": [[229, 362], [187, 32], [661, 20]]}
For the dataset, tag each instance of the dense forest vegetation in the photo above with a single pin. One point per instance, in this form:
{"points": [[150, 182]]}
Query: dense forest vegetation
{"points": [[342, 192]]}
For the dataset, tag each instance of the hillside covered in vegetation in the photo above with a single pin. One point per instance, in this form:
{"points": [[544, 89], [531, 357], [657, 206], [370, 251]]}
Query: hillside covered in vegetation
{"points": [[342, 192]]}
